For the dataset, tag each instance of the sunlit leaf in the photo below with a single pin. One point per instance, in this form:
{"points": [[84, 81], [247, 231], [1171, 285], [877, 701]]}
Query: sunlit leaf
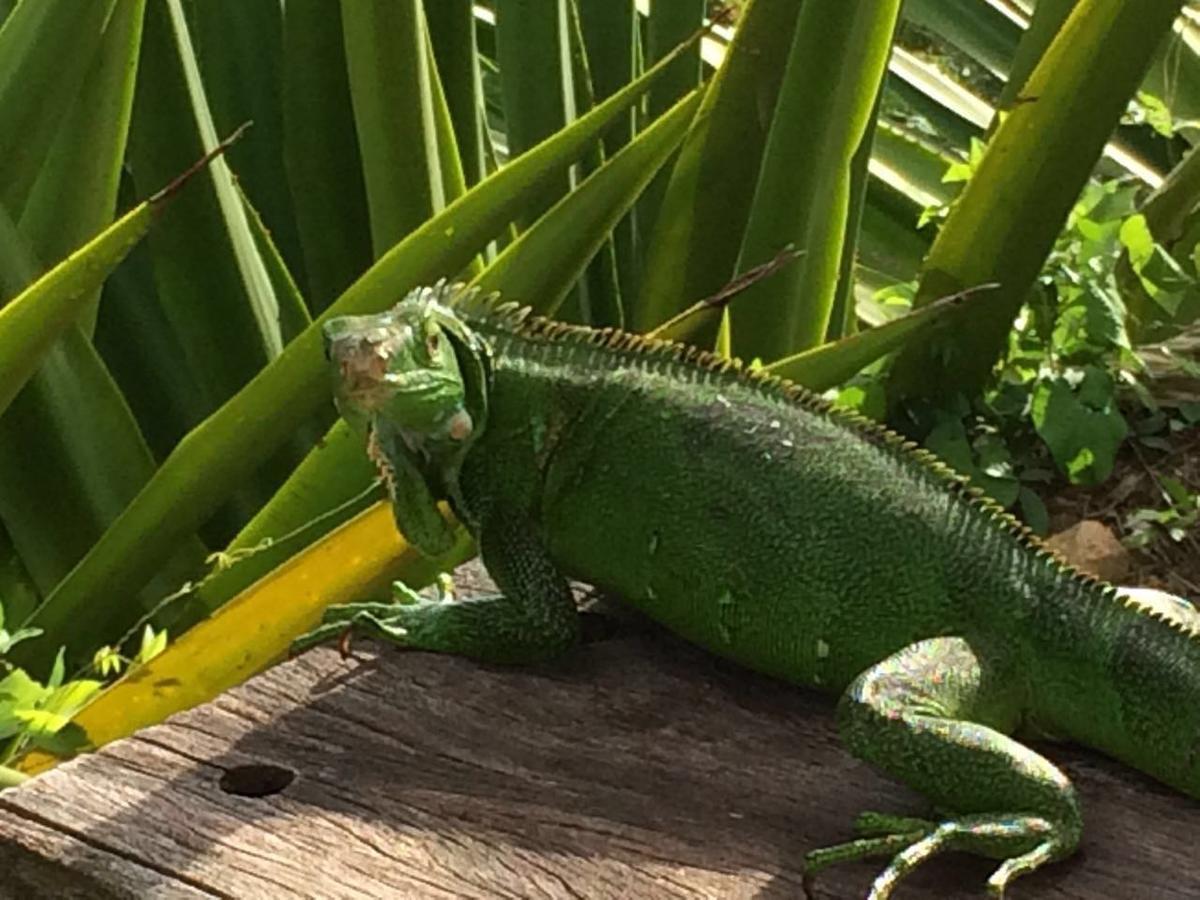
{"points": [[256, 628], [225, 449], [1006, 221], [846, 48]]}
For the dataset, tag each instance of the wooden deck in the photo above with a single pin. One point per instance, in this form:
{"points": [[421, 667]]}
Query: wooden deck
{"points": [[638, 768]]}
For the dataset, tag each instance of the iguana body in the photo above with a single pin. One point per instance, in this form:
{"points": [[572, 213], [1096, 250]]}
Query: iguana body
{"points": [[758, 522]]}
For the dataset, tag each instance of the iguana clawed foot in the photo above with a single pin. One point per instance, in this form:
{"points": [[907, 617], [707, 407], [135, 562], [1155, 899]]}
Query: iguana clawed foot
{"points": [[386, 620], [1023, 841]]}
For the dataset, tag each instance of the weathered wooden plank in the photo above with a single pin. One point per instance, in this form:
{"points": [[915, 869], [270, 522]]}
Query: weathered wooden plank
{"points": [[41, 861], [639, 767]]}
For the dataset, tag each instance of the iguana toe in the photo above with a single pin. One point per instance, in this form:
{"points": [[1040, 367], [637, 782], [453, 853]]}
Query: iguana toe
{"points": [[1026, 841]]}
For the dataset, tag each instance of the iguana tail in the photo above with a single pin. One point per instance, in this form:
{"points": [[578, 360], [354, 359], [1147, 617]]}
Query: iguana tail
{"points": [[1119, 670]]}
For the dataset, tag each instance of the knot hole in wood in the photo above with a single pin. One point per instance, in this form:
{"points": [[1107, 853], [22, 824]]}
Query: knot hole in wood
{"points": [[260, 780]]}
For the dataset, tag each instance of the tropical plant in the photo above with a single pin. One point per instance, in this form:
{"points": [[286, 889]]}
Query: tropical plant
{"points": [[605, 161]]}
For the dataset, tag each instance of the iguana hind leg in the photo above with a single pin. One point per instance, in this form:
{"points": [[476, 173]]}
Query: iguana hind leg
{"points": [[934, 715], [532, 619]]}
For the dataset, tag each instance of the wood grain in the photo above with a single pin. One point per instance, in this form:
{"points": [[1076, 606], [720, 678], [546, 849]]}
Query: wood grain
{"points": [[638, 767]]}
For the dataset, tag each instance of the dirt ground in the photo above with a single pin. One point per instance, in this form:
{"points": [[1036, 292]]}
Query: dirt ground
{"points": [[1165, 563]]}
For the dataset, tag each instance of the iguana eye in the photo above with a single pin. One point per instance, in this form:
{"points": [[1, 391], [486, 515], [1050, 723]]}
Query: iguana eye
{"points": [[432, 344]]}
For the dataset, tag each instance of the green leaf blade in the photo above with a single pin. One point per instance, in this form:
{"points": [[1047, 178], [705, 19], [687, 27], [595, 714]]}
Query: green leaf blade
{"points": [[221, 452], [846, 46]]}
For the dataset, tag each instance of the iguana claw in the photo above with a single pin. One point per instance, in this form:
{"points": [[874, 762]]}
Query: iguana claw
{"points": [[378, 619], [911, 842]]}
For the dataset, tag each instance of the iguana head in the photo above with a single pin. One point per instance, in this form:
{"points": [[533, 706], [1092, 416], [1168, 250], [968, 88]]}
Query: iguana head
{"points": [[416, 367], [414, 381]]}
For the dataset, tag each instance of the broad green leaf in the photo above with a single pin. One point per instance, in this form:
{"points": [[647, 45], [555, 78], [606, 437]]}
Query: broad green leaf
{"points": [[540, 267], [830, 364], [845, 48], [666, 26], [1047, 20], [18, 594], [239, 49], [1008, 216], [534, 54], [88, 149], [254, 278], [1081, 425], [1159, 290], [17, 691], [324, 167], [46, 50], [40, 723], [843, 318], [153, 643], [949, 440], [393, 116], [533, 51], [452, 32], [225, 449], [69, 698], [8, 641], [71, 455], [610, 38], [256, 628], [32, 321], [454, 179], [1033, 510], [600, 301], [333, 473], [293, 313], [208, 286], [693, 251]]}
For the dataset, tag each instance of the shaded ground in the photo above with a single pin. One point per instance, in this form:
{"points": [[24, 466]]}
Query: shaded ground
{"points": [[1167, 563]]}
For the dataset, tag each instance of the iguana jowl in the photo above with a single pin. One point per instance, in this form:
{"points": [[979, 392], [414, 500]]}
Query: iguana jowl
{"points": [[757, 521]]}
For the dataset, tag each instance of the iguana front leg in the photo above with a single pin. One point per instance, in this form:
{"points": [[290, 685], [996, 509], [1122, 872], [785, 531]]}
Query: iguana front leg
{"points": [[533, 618], [934, 715]]}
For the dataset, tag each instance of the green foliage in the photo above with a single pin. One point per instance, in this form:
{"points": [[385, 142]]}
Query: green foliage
{"points": [[1038, 159], [389, 150], [33, 714], [1070, 384], [1178, 517]]}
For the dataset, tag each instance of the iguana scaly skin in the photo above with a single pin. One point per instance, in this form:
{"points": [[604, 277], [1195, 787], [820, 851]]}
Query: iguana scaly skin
{"points": [[759, 522]]}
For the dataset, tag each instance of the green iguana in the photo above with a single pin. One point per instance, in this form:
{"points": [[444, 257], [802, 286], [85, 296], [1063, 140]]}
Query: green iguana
{"points": [[756, 520]]}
